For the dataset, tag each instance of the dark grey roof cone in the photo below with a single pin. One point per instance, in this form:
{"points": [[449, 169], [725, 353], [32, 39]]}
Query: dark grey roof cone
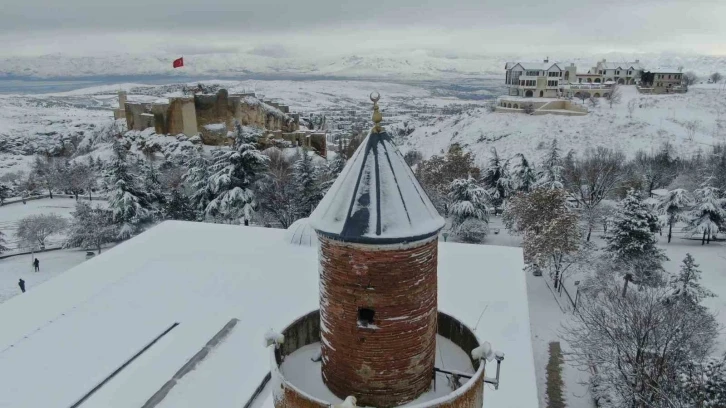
{"points": [[376, 198]]}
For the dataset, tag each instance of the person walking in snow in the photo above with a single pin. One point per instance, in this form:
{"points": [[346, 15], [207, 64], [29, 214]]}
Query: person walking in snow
{"points": [[21, 283], [36, 264]]}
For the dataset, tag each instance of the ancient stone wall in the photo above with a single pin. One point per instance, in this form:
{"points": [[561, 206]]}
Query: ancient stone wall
{"points": [[378, 320], [202, 114]]}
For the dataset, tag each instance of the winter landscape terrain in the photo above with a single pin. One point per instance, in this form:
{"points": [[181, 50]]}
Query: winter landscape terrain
{"points": [[659, 144]]}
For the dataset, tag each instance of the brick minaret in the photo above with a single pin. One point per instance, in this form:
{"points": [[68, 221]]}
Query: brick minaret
{"points": [[378, 259]]}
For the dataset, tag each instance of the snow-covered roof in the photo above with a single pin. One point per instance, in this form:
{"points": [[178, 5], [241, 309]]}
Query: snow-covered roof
{"points": [[539, 66], [376, 198], [68, 334], [621, 65], [301, 233]]}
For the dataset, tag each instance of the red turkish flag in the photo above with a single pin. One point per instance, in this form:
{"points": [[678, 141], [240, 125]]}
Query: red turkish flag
{"points": [[178, 63]]}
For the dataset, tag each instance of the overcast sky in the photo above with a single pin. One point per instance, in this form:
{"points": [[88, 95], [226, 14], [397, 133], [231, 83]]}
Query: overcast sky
{"points": [[281, 28]]}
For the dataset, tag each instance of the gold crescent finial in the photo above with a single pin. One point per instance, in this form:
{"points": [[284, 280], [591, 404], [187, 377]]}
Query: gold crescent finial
{"points": [[377, 117]]}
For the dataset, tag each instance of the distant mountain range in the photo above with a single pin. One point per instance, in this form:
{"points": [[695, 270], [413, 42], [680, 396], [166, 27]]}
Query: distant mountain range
{"points": [[415, 65]]}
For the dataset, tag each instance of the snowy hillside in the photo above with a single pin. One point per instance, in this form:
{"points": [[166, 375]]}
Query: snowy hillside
{"points": [[657, 119], [423, 117], [412, 65]]}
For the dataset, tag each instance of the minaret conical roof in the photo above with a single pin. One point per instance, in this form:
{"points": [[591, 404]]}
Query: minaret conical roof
{"points": [[376, 198]]}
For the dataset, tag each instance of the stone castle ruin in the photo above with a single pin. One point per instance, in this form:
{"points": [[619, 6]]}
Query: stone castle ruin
{"points": [[213, 116]]}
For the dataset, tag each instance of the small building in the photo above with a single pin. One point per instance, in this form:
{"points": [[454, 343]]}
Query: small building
{"points": [[663, 81]]}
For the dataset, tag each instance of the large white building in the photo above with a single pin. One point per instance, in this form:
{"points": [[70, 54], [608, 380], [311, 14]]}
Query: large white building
{"points": [[553, 79]]}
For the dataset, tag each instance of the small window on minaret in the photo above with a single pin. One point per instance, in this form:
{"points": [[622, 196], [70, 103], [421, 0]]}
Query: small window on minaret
{"points": [[365, 317]]}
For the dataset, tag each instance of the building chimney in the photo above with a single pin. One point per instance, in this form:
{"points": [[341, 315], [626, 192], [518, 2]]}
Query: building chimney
{"points": [[637, 61], [547, 60]]}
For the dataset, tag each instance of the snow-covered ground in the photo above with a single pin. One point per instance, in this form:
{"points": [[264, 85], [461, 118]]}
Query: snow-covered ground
{"points": [[656, 119], [52, 264]]}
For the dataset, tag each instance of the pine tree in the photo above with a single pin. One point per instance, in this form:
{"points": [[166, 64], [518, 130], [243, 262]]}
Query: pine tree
{"points": [[3, 248], [91, 227], [708, 216], [550, 175], [703, 383], [127, 203], [152, 186], [469, 200], [330, 173], [234, 172], [524, 174], [197, 179], [685, 284], [305, 177], [497, 179], [177, 207], [672, 207], [632, 242]]}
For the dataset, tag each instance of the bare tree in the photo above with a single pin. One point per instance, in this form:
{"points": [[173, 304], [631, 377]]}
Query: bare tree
{"points": [[690, 78], [594, 102], [528, 108], [632, 104], [691, 127], [44, 173], [614, 96], [550, 229], [77, 178], [716, 77], [35, 229], [590, 179], [638, 342]]}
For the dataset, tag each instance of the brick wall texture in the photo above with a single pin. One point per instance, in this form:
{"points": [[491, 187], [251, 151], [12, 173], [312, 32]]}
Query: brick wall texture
{"points": [[391, 362]]}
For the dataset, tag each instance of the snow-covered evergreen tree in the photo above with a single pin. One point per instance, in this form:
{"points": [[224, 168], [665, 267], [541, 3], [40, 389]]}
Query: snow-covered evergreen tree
{"points": [[4, 192], [469, 200], [703, 383], [3, 248], [333, 169], [685, 284], [497, 179], [126, 201], [177, 207], [524, 174], [550, 173], [152, 186], [197, 180], [305, 177], [233, 174], [91, 227], [631, 240], [672, 208], [708, 216]]}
